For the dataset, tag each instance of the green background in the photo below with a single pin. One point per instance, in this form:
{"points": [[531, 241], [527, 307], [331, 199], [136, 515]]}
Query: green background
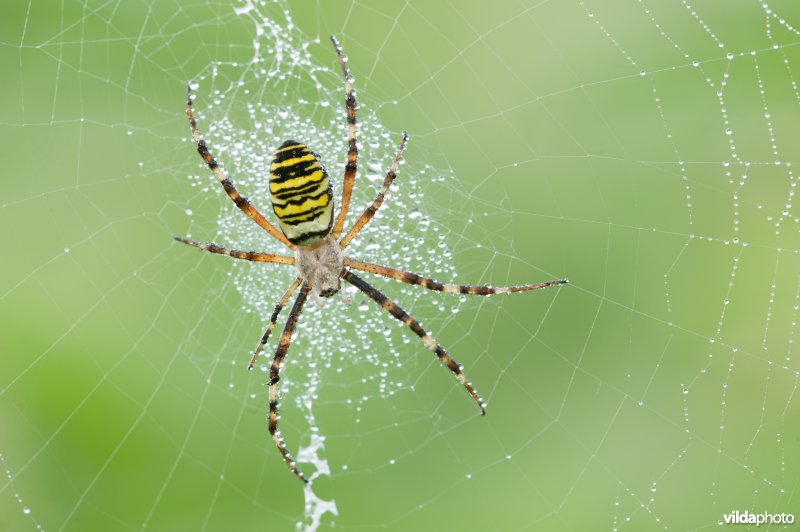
{"points": [[659, 389]]}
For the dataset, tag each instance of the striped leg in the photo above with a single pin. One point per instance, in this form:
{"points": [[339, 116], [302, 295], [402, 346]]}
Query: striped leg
{"points": [[272, 320], [240, 201], [391, 173], [274, 377], [430, 284], [352, 150], [415, 326], [252, 256]]}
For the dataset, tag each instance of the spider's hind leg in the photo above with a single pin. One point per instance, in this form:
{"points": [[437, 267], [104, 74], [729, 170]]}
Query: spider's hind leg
{"points": [[351, 166], [370, 211], [230, 189], [252, 256]]}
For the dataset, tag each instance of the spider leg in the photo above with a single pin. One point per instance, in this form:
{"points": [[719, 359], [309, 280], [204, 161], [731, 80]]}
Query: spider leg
{"points": [[272, 320], [252, 256], [430, 284], [242, 202], [391, 173], [400, 314], [352, 150], [274, 377]]}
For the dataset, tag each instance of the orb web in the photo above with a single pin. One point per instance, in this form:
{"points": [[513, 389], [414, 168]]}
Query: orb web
{"points": [[644, 150], [245, 112]]}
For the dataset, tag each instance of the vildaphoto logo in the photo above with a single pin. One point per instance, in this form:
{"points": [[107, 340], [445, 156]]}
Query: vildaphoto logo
{"points": [[765, 518]]}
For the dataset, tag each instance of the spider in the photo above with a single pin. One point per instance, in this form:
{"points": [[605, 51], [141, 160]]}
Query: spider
{"points": [[301, 196]]}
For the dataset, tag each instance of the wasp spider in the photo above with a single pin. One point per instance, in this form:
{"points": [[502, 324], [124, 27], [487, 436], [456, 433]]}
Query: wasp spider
{"points": [[302, 196]]}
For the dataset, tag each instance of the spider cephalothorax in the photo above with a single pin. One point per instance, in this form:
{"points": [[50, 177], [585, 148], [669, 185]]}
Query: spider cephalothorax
{"points": [[302, 200], [321, 265]]}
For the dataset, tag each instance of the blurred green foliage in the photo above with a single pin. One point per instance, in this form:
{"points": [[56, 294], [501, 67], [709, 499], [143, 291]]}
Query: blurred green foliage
{"points": [[659, 389]]}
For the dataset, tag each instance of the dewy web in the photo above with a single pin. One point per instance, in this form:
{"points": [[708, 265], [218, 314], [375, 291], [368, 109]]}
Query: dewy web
{"points": [[301, 196], [401, 223], [683, 323]]}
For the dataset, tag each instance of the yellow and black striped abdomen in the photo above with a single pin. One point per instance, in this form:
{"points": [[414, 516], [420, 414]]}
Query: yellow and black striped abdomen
{"points": [[301, 194]]}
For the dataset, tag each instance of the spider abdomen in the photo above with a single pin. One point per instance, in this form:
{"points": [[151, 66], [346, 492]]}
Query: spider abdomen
{"points": [[301, 194]]}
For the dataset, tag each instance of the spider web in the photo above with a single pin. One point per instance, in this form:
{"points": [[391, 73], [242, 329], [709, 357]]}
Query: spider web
{"points": [[645, 151]]}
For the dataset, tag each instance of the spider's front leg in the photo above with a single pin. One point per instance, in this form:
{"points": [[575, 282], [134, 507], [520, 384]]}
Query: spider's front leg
{"points": [[395, 310], [274, 376], [431, 284], [272, 321]]}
